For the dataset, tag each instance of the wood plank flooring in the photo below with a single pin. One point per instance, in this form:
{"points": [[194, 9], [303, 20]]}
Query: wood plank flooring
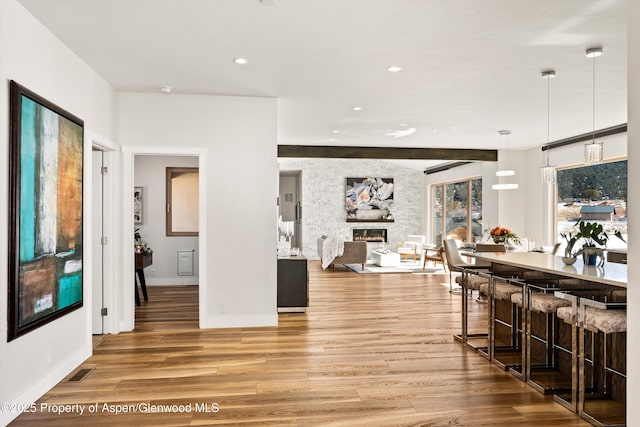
{"points": [[372, 350]]}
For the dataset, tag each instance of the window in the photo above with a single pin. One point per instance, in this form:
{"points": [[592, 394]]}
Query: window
{"points": [[456, 207], [593, 193]]}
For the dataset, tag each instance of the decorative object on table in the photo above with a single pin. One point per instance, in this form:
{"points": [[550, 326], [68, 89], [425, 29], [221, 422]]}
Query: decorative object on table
{"points": [[504, 235], [369, 199], [137, 205], [140, 246], [286, 229], [594, 241], [570, 238], [45, 216]]}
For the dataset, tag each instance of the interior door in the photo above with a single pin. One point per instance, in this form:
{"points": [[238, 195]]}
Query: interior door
{"points": [[97, 243]]}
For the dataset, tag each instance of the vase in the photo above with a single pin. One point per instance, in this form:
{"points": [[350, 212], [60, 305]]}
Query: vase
{"points": [[590, 256], [569, 260], [498, 239]]}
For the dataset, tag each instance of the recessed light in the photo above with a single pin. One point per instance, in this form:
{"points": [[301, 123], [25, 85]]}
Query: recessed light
{"points": [[240, 61], [434, 130], [335, 131], [165, 89], [394, 69], [403, 125], [357, 108], [593, 52]]}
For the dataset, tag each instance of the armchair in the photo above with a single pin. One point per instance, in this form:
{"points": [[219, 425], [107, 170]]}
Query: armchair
{"points": [[412, 247]]}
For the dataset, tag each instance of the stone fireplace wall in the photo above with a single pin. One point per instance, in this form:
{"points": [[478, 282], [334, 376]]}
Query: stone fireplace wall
{"points": [[323, 199]]}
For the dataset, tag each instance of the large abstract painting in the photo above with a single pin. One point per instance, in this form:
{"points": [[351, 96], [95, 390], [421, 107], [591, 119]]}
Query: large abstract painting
{"points": [[45, 217], [369, 198]]}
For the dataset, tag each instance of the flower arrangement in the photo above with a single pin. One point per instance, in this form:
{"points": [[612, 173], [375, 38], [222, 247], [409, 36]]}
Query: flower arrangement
{"points": [[504, 235], [141, 248]]}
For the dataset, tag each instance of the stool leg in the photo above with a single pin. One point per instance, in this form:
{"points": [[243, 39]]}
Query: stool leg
{"points": [[135, 289], [143, 283]]}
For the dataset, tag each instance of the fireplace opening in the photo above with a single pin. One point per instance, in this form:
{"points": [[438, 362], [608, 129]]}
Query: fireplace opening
{"points": [[370, 235]]}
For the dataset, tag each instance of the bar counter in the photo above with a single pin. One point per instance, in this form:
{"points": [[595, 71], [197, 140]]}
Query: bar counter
{"points": [[582, 366], [610, 274]]}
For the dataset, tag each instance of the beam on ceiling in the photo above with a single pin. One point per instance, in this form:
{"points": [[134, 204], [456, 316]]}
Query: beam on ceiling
{"points": [[613, 130], [444, 167], [391, 153]]}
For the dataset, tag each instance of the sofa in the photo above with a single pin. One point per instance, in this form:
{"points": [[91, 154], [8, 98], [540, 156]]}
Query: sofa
{"points": [[354, 253]]}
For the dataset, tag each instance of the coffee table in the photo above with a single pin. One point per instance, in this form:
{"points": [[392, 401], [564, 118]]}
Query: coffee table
{"points": [[382, 259]]}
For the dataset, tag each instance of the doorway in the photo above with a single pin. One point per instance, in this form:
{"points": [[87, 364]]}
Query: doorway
{"points": [[290, 203], [97, 241], [167, 257]]}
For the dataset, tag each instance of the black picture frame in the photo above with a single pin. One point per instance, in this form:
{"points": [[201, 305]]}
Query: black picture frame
{"points": [[46, 169]]}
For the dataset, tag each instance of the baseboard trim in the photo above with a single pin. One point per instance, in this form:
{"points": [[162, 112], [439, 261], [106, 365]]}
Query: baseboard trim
{"points": [[47, 383], [230, 321], [171, 281]]}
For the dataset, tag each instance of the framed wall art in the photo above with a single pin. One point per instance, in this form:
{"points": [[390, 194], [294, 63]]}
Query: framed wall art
{"points": [[369, 199], [45, 211], [137, 205]]}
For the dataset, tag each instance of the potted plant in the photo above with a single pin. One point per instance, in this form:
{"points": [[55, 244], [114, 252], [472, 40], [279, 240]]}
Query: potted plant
{"points": [[594, 240]]}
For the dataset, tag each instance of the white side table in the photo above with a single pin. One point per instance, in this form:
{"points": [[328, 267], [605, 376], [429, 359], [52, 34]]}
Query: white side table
{"points": [[381, 259]]}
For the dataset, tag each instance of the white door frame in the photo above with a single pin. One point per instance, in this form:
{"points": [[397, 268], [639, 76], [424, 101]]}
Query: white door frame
{"points": [[126, 300], [111, 223]]}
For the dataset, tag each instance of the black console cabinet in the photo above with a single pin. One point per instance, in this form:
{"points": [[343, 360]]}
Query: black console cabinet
{"points": [[293, 284]]}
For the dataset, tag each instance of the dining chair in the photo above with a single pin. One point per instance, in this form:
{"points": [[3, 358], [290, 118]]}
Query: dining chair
{"points": [[454, 260]]}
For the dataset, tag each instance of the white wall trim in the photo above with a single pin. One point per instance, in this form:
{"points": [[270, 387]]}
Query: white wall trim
{"points": [[249, 321], [111, 224], [46, 383]]}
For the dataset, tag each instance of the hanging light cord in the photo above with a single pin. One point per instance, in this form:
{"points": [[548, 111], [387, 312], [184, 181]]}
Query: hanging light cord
{"points": [[594, 99], [548, 120]]}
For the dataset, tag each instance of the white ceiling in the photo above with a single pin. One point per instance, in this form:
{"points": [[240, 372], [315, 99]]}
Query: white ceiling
{"points": [[470, 67]]}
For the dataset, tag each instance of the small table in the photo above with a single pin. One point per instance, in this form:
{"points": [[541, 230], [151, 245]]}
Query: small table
{"points": [[382, 259], [142, 261]]}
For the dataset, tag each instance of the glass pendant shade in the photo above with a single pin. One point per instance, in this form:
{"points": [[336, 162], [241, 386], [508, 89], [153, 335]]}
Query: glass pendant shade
{"points": [[504, 187], [548, 174], [593, 153]]}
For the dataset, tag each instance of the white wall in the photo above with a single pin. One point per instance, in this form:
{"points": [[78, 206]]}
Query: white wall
{"points": [[150, 173], [33, 363], [323, 198], [633, 296], [241, 176]]}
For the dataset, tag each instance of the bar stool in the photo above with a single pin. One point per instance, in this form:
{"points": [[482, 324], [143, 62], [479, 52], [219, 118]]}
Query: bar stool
{"points": [[474, 276], [606, 321], [569, 314], [469, 281], [537, 300], [499, 289]]}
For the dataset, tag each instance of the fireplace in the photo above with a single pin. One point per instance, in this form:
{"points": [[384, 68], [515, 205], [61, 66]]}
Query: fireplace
{"points": [[370, 235]]}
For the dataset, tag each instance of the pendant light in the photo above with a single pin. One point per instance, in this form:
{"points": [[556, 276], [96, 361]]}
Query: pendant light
{"points": [[548, 172], [500, 173], [593, 151]]}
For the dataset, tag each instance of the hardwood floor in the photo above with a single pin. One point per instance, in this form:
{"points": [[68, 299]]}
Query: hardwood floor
{"points": [[372, 350]]}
